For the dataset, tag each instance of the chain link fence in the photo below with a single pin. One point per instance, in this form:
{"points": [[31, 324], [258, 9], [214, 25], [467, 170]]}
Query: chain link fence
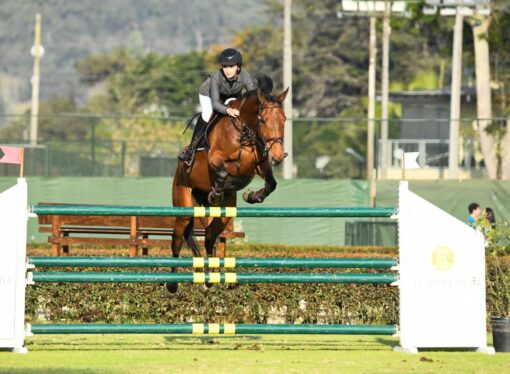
{"points": [[113, 146]]}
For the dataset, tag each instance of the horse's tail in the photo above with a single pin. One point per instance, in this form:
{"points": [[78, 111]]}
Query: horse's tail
{"points": [[189, 235], [200, 199]]}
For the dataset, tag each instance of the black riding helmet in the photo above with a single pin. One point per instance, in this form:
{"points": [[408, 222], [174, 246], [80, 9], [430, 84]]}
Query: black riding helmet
{"points": [[229, 57]]}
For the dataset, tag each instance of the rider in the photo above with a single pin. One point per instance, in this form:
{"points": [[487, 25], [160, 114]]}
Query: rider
{"points": [[228, 82]]}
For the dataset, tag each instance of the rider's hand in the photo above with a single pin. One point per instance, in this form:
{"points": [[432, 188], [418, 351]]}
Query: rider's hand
{"points": [[232, 112]]}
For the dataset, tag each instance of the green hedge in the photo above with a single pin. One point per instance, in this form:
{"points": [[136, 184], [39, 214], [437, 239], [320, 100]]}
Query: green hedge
{"points": [[246, 303]]}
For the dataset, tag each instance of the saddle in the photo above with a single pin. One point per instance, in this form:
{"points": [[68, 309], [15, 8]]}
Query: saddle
{"points": [[203, 142]]}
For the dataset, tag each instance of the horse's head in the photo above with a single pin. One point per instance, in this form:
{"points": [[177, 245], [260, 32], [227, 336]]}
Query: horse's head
{"points": [[272, 120]]}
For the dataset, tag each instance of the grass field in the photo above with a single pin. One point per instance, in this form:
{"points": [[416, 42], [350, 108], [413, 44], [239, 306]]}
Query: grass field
{"points": [[237, 354]]}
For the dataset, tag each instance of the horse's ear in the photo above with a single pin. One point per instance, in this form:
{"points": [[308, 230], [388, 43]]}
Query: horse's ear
{"points": [[261, 96], [283, 95]]}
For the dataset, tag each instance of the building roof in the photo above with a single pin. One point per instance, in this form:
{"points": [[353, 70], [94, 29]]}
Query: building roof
{"points": [[427, 94]]}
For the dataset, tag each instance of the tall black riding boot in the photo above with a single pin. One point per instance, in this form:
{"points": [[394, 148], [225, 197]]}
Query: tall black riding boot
{"points": [[189, 152]]}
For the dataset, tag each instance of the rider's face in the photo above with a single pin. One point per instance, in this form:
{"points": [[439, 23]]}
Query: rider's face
{"points": [[230, 71]]}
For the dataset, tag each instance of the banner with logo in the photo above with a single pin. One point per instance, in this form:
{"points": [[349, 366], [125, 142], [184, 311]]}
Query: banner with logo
{"points": [[442, 278]]}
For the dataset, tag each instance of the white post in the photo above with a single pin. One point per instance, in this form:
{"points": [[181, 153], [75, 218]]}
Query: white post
{"points": [[288, 162], [453, 151], [371, 108], [34, 112], [385, 90]]}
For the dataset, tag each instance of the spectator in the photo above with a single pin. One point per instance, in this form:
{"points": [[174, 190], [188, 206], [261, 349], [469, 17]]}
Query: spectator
{"points": [[474, 213], [489, 215]]}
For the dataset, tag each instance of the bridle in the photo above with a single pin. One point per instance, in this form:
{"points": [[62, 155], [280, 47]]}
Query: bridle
{"points": [[269, 142], [248, 133], [249, 136]]}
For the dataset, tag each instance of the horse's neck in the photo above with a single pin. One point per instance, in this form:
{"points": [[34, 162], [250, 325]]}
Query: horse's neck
{"points": [[249, 110]]}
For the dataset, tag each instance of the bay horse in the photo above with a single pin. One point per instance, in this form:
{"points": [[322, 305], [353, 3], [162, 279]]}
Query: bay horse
{"points": [[239, 149]]}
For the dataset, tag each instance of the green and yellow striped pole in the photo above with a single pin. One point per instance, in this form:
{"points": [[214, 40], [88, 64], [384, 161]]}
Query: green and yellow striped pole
{"points": [[211, 329], [113, 210], [112, 277], [213, 262]]}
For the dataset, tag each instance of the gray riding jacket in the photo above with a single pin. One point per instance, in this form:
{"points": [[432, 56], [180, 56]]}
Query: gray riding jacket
{"points": [[218, 88]]}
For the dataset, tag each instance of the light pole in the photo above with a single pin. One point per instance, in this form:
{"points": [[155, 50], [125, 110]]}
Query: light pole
{"points": [[371, 108], [385, 84], [288, 162], [459, 9], [37, 52], [375, 9]]}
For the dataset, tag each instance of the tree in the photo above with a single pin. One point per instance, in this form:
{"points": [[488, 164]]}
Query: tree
{"points": [[148, 89], [53, 124], [499, 40]]}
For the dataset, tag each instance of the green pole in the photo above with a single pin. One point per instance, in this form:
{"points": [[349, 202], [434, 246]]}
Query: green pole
{"points": [[112, 210], [207, 328], [213, 262], [214, 277]]}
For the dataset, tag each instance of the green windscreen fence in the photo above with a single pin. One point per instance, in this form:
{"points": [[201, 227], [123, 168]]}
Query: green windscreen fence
{"points": [[453, 197]]}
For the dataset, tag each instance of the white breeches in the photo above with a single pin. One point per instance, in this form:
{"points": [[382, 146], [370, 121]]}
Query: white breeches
{"points": [[207, 108]]}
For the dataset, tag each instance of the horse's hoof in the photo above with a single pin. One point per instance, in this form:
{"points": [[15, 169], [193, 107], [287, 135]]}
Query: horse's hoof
{"points": [[171, 289], [251, 197], [246, 196]]}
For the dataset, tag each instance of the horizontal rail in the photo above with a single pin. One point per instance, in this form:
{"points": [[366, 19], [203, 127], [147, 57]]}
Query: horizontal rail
{"points": [[213, 262], [115, 210], [212, 277], [212, 328]]}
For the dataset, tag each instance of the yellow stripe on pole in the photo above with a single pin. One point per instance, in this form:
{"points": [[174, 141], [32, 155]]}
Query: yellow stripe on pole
{"points": [[230, 211], [198, 328], [214, 211], [214, 262], [229, 262], [214, 328], [214, 277], [198, 277], [199, 211], [198, 262], [230, 277], [229, 328]]}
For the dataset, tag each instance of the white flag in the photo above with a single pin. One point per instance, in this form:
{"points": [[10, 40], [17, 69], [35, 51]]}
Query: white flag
{"points": [[410, 160]]}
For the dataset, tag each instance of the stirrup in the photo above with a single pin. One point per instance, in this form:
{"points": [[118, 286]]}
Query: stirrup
{"points": [[187, 155]]}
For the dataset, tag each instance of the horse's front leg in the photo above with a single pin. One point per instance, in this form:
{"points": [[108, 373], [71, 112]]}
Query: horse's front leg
{"points": [[259, 196], [220, 173]]}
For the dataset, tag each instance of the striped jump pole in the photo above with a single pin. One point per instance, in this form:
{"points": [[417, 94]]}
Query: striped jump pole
{"points": [[115, 210], [211, 328], [85, 277], [214, 262]]}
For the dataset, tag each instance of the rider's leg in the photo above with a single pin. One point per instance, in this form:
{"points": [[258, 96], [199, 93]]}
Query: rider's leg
{"points": [[206, 107], [207, 110]]}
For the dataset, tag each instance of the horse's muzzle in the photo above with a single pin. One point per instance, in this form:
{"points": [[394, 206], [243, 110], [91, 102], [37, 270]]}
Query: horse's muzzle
{"points": [[276, 162]]}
